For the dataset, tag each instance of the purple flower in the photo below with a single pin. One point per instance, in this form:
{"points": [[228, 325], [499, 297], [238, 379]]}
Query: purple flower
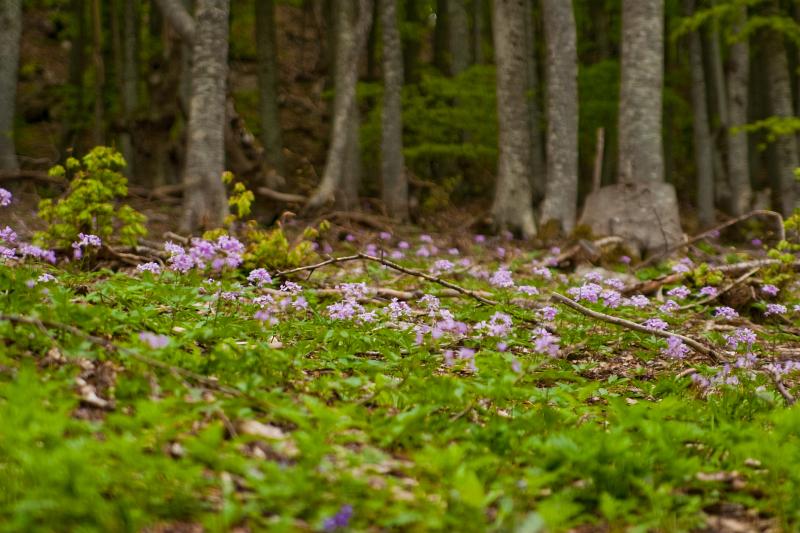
{"points": [[743, 336], [349, 237], [153, 340], [548, 313], [403, 245], [638, 301], [425, 238], [442, 265], [679, 292], [545, 342], [756, 242], [423, 251], [611, 298], [770, 290], [499, 325], [354, 291], [291, 287], [669, 306], [725, 312], [501, 252], [259, 277], [593, 276], [775, 309], [384, 236], [7, 253], [262, 315], [543, 272], [530, 290], [675, 348], [655, 323], [398, 309], [480, 238], [587, 291], [46, 278], [151, 267], [7, 234], [453, 251], [502, 278], [5, 197], [516, 366], [615, 283], [626, 260], [709, 291]]}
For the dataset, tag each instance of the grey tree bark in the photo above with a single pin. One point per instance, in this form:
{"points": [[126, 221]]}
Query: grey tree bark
{"points": [[478, 24], [395, 184], [538, 171], [780, 98], [458, 36], [130, 78], [267, 59], [351, 40], [10, 32], [512, 208], [561, 198], [703, 151], [641, 155], [179, 18], [737, 85], [722, 189], [205, 203]]}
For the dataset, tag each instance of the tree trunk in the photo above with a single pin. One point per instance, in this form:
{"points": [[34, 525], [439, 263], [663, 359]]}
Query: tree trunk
{"points": [[512, 208], [478, 23], [722, 189], [411, 42], [780, 97], [458, 36], [350, 42], [205, 203], [538, 171], [395, 185], [561, 198], [267, 58], [440, 41], [641, 155], [179, 18], [738, 156], [98, 128], [130, 78], [703, 151], [10, 32]]}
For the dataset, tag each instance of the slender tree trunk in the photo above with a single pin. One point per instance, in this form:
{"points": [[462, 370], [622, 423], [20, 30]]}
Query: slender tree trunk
{"points": [[350, 43], [458, 36], [179, 18], [346, 195], [641, 156], [561, 198], [512, 208], [411, 42], [10, 32], [478, 23], [267, 54], [98, 129], [722, 189], [130, 78], [395, 185], [703, 151], [538, 171], [780, 97], [738, 156], [205, 203], [440, 40]]}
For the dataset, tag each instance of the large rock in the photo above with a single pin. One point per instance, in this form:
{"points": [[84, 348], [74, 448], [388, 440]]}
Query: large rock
{"points": [[644, 214]]}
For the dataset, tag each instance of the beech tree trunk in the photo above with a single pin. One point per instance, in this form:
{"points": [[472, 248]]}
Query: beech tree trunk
{"points": [[395, 185], [738, 150], [561, 198], [538, 171], [205, 203], [641, 156], [478, 24], [780, 98], [267, 58], [512, 208], [458, 36], [10, 31], [351, 40], [130, 78], [703, 151]]}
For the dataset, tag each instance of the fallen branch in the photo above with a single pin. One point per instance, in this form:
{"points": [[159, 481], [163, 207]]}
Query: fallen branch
{"points": [[391, 264], [790, 400], [696, 346], [279, 196], [34, 175], [758, 212], [738, 281]]}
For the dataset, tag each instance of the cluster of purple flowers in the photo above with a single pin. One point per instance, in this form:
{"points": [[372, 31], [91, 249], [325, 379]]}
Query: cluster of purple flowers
{"points": [[502, 278], [498, 325], [340, 520], [725, 376], [154, 340], [775, 309], [464, 354], [655, 323], [680, 292], [669, 306], [638, 301], [259, 277], [5, 197], [545, 342], [153, 268], [675, 348], [85, 241], [225, 252], [12, 248], [725, 312]]}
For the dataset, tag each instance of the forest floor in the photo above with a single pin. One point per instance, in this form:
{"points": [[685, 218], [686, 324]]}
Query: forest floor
{"points": [[434, 382]]}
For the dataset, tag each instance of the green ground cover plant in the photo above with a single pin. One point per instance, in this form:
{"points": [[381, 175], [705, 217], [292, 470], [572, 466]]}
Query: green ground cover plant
{"points": [[407, 385]]}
